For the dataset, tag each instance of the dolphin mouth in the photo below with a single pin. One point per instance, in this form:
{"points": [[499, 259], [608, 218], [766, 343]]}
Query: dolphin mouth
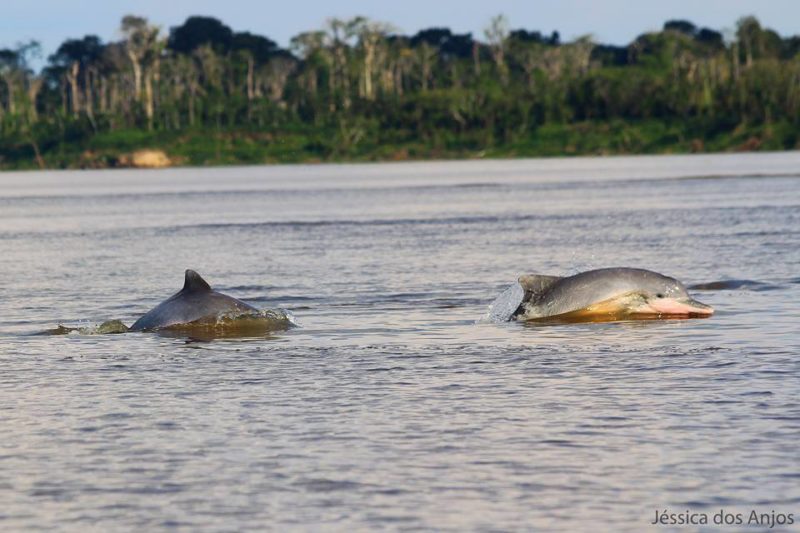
{"points": [[682, 307]]}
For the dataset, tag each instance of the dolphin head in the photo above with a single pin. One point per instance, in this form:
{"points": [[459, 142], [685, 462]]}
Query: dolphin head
{"points": [[662, 295]]}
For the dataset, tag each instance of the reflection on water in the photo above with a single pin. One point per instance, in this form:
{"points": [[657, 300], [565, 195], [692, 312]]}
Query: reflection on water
{"points": [[109, 327], [393, 406]]}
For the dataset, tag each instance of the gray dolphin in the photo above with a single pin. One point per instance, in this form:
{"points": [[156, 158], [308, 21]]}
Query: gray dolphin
{"points": [[603, 294], [194, 303]]}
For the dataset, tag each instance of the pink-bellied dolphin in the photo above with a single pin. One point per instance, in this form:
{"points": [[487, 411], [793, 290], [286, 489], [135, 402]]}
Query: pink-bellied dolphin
{"points": [[603, 294], [193, 304]]}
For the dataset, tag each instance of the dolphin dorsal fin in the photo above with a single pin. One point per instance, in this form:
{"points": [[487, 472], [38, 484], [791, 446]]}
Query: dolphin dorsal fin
{"points": [[536, 284], [194, 282]]}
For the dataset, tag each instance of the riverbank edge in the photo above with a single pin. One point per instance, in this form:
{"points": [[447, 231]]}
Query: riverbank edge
{"points": [[200, 148]]}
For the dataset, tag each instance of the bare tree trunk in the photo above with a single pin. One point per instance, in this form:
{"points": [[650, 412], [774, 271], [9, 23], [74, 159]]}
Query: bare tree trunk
{"points": [[332, 89], [33, 93], [496, 35], [426, 65], [369, 59], [36, 153], [103, 94], [192, 91], [63, 97], [250, 78], [155, 93], [114, 95], [137, 74], [312, 83], [88, 96], [148, 98], [250, 82], [748, 52], [72, 78], [398, 81], [12, 107], [341, 74]]}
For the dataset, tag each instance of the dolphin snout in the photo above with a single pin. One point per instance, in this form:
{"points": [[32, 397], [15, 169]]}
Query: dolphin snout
{"points": [[699, 308], [683, 306]]}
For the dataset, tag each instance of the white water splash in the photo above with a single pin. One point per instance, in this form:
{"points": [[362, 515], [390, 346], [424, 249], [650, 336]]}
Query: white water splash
{"points": [[504, 306]]}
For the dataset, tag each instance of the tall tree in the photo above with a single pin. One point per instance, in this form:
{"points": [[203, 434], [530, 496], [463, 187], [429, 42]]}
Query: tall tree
{"points": [[143, 46]]}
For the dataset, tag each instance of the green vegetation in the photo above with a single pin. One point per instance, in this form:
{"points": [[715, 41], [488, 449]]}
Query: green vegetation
{"points": [[207, 95]]}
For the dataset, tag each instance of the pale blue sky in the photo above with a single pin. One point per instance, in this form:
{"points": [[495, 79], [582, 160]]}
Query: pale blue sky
{"points": [[610, 21]]}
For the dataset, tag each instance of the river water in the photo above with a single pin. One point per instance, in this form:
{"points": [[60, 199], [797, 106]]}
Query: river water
{"points": [[391, 408]]}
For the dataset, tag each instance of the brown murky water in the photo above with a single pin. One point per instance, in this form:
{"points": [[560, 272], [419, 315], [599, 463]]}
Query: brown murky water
{"points": [[391, 408]]}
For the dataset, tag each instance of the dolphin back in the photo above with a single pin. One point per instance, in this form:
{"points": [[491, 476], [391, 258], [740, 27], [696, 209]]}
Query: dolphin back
{"points": [[195, 302]]}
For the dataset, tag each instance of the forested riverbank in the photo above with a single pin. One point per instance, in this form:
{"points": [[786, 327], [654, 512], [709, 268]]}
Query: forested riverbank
{"points": [[358, 90]]}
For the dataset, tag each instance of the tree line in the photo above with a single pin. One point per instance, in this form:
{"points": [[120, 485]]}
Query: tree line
{"points": [[358, 79]]}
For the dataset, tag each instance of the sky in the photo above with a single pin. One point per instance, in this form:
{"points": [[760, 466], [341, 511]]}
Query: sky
{"points": [[608, 21]]}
